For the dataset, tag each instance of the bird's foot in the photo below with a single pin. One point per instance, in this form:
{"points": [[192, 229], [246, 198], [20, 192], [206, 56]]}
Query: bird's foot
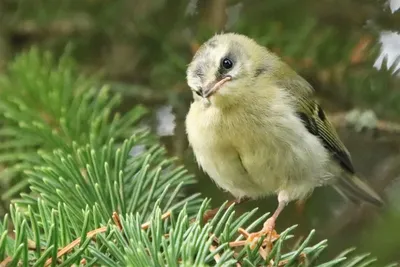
{"points": [[268, 232]]}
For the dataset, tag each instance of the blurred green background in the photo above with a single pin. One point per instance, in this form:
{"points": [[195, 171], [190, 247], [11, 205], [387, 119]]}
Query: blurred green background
{"points": [[346, 49]]}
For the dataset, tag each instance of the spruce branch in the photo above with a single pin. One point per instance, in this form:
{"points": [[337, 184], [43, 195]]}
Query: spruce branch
{"points": [[364, 120], [48, 105], [169, 240], [95, 200]]}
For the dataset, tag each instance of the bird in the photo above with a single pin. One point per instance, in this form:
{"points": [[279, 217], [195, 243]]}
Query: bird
{"points": [[257, 129]]}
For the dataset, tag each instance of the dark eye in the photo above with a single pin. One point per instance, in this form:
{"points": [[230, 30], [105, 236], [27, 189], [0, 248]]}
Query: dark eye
{"points": [[226, 63]]}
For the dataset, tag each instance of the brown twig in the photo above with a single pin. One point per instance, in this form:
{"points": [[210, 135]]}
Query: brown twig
{"points": [[90, 234], [5, 262], [117, 221], [282, 263], [359, 52], [264, 249], [217, 257], [76, 242], [339, 120], [163, 217], [209, 214]]}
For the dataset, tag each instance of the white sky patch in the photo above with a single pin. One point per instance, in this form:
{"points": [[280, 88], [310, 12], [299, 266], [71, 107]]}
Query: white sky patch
{"points": [[390, 49], [390, 43], [394, 5], [165, 121]]}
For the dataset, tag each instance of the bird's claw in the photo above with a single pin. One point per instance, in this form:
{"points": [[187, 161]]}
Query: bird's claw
{"points": [[266, 231], [253, 238], [268, 238], [268, 234]]}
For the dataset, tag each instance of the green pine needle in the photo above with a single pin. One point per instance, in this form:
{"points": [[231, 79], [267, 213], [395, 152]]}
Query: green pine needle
{"points": [[75, 155]]}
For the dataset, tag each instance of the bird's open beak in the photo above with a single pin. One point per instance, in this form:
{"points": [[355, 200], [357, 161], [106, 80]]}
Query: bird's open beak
{"points": [[213, 87]]}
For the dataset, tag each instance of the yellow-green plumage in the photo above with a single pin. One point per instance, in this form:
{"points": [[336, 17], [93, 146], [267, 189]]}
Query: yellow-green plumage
{"points": [[315, 120], [263, 131], [318, 124]]}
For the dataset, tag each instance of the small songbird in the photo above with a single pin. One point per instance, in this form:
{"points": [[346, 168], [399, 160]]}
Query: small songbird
{"points": [[256, 128]]}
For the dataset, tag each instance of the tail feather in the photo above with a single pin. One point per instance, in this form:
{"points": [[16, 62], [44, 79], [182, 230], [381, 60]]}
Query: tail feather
{"points": [[346, 195], [356, 189]]}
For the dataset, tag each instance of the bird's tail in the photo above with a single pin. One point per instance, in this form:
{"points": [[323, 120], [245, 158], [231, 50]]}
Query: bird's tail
{"points": [[357, 190]]}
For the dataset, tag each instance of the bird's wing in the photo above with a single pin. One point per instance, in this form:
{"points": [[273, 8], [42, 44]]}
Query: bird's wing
{"points": [[316, 122]]}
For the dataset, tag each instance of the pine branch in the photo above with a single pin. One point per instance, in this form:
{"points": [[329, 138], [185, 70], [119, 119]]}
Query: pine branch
{"points": [[175, 242], [96, 199], [49, 105], [364, 120]]}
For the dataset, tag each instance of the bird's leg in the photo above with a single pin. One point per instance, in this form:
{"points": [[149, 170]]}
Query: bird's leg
{"points": [[209, 214], [269, 225]]}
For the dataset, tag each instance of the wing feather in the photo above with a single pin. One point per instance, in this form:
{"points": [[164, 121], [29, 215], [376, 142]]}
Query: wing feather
{"points": [[316, 122]]}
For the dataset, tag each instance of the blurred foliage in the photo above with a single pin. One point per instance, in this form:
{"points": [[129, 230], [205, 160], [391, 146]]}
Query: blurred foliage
{"points": [[149, 43], [141, 48], [79, 180], [63, 115]]}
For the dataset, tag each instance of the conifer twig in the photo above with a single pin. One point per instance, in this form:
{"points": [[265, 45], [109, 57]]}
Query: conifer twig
{"points": [[61, 252], [217, 257], [163, 217], [103, 229], [339, 120], [282, 263], [117, 221], [76, 242]]}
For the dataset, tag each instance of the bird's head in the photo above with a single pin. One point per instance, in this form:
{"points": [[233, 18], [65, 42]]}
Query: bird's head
{"points": [[227, 67]]}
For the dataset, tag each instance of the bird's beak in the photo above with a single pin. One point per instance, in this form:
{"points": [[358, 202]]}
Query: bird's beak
{"points": [[213, 87]]}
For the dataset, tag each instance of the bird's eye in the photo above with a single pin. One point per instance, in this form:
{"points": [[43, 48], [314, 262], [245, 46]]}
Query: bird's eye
{"points": [[226, 63]]}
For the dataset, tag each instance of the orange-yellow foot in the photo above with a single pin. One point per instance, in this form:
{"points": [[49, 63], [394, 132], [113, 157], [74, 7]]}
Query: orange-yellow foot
{"points": [[268, 231]]}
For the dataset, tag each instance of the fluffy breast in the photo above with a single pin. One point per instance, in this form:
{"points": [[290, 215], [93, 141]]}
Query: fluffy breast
{"points": [[214, 151], [256, 152], [280, 154]]}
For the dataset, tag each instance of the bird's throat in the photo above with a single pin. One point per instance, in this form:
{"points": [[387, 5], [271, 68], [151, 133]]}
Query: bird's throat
{"points": [[206, 102]]}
